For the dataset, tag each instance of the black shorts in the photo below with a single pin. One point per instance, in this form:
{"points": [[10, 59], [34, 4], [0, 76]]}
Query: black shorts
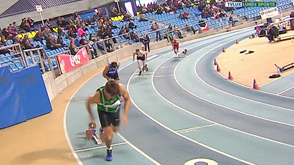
{"points": [[107, 118], [141, 58]]}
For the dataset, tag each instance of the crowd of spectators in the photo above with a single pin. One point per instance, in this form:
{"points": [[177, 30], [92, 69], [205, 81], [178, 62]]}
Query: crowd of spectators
{"points": [[74, 28]]}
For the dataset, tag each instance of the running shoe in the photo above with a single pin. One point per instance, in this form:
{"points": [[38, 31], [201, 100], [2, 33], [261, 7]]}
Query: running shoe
{"points": [[140, 72], [109, 155]]}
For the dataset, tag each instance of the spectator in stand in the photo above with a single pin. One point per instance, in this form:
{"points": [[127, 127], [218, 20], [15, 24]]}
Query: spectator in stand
{"points": [[159, 10], [79, 21], [145, 40], [188, 4], [62, 22], [89, 46], [124, 32], [71, 32], [141, 18], [73, 47], [231, 21], [77, 41], [71, 20], [39, 35], [201, 23], [122, 10], [25, 25], [114, 11], [132, 25], [2, 44], [48, 24], [11, 31], [246, 17], [223, 14], [31, 22], [6, 33], [3, 40], [51, 43], [14, 27], [17, 40], [127, 17], [178, 32], [60, 41], [26, 43], [186, 15], [155, 28], [81, 32], [99, 13], [89, 21], [92, 37], [190, 28], [292, 14], [292, 20], [75, 14], [100, 44], [108, 44], [46, 33], [60, 31]]}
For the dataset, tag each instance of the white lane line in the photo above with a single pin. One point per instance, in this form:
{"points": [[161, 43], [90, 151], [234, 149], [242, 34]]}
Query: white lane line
{"points": [[285, 91], [163, 75], [194, 128], [151, 57], [99, 147]]}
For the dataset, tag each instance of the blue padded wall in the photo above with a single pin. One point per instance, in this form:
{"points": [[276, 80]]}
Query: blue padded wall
{"points": [[23, 96]]}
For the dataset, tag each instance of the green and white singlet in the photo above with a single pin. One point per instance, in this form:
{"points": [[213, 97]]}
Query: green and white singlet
{"points": [[111, 105]]}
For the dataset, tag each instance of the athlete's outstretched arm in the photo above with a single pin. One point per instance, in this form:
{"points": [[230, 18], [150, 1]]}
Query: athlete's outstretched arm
{"points": [[126, 96], [106, 69], [134, 56], [92, 100]]}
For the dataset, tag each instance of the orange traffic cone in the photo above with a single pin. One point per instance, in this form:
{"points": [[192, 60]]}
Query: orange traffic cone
{"points": [[237, 42], [217, 68], [224, 50], [215, 63], [230, 77], [255, 86]]}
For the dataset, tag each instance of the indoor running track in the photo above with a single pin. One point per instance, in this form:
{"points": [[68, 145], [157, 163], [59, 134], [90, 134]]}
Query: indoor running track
{"points": [[184, 112]]}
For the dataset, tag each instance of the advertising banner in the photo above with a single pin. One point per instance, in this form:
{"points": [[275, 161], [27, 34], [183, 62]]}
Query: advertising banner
{"points": [[70, 62], [269, 13]]}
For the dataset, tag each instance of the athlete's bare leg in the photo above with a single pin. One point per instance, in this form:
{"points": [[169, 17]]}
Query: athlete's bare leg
{"points": [[176, 52], [144, 63], [108, 136], [140, 67]]}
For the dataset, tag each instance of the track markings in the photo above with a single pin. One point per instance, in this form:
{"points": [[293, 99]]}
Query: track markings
{"points": [[194, 128]]}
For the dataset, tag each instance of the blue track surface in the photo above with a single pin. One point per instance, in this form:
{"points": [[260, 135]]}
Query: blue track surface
{"points": [[182, 110]]}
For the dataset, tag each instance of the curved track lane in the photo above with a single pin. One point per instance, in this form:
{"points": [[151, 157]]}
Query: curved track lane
{"points": [[182, 110]]}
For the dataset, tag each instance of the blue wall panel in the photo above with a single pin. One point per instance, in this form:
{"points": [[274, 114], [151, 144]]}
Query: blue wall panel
{"points": [[23, 96]]}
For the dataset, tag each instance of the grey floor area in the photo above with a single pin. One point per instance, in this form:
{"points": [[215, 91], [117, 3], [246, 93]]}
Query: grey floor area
{"points": [[184, 112]]}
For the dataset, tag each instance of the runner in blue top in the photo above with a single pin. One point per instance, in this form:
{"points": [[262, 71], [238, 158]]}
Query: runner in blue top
{"points": [[111, 71]]}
